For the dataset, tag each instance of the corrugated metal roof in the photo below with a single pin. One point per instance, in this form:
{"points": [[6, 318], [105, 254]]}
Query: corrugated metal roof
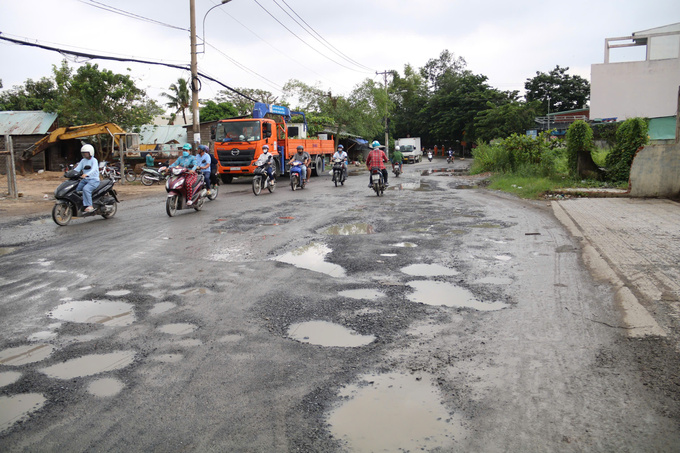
{"points": [[26, 123], [150, 135]]}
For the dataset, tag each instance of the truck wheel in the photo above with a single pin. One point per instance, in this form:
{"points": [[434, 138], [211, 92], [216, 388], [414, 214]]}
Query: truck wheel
{"points": [[226, 178], [318, 166]]}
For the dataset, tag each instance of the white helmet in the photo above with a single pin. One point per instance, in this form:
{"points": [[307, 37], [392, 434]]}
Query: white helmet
{"points": [[87, 149], [396, 148], [265, 149]]}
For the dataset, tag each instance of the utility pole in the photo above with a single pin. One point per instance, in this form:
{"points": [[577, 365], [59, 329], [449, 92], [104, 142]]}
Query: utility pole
{"points": [[387, 101], [194, 77]]}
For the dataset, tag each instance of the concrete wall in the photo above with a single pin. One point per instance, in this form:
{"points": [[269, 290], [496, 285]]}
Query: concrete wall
{"points": [[656, 172], [634, 89]]}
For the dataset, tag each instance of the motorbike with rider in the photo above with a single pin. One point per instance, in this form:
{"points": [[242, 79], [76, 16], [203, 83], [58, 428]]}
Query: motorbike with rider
{"points": [[397, 161]]}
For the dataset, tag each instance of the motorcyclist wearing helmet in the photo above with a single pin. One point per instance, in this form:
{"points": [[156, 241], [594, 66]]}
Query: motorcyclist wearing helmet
{"points": [[188, 161], [268, 159], [342, 155], [203, 161], [376, 158], [397, 157], [302, 156], [90, 177]]}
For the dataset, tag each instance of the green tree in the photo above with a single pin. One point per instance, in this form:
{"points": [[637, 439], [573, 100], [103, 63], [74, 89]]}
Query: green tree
{"points": [[566, 92], [212, 111], [501, 121], [179, 98], [29, 96], [91, 95], [409, 95], [579, 142]]}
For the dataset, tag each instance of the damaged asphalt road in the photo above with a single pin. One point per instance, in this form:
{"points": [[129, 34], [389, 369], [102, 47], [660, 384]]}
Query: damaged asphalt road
{"points": [[439, 317]]}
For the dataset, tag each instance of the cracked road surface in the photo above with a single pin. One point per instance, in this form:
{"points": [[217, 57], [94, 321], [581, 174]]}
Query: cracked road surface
{"points": [[441, 316]]}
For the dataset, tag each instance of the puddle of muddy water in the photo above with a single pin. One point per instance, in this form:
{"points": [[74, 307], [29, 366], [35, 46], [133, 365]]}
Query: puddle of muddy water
{"points": [[178, 328], [417, 186], [42, 335], [394, 412], [405, 244], [349, 229], [18, 407], [442, 293], [7, 250], [96, 312], [21, 355], [325, 333], [118, 292], [370, 294], [426, 270], [9, 377], [312, 257], [486, 225], [161, 307], [105, 387], [89, 365], [503, 257]]}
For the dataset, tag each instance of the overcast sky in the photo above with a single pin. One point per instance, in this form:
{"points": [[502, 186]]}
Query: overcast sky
{"points": [[507, 41]]}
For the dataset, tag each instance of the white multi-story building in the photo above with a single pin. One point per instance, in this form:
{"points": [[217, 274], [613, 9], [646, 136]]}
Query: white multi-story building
{"points": [[640, 77]]}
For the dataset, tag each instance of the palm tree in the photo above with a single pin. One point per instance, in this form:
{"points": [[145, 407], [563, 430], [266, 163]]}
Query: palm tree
{"points": [[179, 98]]}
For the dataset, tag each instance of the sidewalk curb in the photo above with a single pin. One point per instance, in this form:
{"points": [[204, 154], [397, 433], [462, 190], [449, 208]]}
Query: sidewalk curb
{"points": [[638, 322]]}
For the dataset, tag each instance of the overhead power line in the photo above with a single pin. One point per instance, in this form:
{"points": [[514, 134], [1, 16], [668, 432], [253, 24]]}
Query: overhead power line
{"points": [[320, 38], [123, 59], [302, 40], [111, 9]]}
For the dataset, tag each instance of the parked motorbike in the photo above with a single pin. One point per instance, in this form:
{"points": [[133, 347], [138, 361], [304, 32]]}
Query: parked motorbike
{"points": [[296, 181], [261, 180], [338, 172], [151, 175], [175, 185], [377, 181], [396, 169], [429, 156], [70, 202]]}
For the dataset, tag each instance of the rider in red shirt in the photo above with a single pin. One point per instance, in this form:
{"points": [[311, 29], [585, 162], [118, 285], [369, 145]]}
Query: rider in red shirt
{"points": [[375, 158]]}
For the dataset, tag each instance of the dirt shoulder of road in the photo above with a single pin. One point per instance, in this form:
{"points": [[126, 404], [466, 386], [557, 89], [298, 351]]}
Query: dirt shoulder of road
{"points": [[36, 193]]}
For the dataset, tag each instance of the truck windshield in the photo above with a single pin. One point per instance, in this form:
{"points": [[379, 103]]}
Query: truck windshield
{"points": [[406, 148], [238, 131]]}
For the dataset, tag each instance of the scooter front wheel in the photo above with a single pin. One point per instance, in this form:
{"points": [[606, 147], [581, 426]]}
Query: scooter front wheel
{"points": [[171, 205], [62, 213], [257, 185]]}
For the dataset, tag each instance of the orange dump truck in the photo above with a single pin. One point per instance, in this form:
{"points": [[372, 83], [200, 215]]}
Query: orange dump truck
{"points": [[238, 142]]}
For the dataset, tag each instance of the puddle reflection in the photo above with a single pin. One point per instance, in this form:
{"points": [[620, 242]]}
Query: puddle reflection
{"points": [[21, 355], [97, 312], [325, 333], [105, 387], [394, 412], [425, 270], [442, 293], [90, 365], [18, 407], [312, 257]]}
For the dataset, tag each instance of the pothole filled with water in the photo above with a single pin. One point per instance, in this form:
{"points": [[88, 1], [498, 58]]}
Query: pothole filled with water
{"points": [[443, 293], [426, 270], [90, 365], [18, 407], [22, 355], [119, 292], [349, 229], [394, 412], [405, 244], [9, 377], [105, 387], [108, 313], [178, 328], [370, 294], [7, 250], [503, 257], [312, 257], [161, 307], [325, 333]]}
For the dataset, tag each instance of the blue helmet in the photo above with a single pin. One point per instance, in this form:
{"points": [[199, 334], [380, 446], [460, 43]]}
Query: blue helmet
{"points": [[375, 144], [203, 148], [186, 146]]}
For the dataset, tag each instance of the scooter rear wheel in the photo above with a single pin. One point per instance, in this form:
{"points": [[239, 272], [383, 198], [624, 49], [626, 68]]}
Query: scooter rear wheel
{"points": [[62, 213], [112, 212], [146, 179], [171, 205]]}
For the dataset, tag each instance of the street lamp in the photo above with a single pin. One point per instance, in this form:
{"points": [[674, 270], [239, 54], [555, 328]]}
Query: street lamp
{"points": [[194, 69]]}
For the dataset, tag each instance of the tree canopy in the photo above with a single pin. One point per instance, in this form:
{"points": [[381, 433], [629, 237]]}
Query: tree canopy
{"points": [[562, 91]]}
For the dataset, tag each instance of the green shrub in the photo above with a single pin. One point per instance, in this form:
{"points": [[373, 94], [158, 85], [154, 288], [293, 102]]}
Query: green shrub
{"points": [[579, 139], [631, 136]]}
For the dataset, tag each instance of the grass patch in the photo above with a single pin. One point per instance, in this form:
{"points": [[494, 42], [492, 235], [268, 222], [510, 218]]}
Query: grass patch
{"points": [[526, 186]]}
